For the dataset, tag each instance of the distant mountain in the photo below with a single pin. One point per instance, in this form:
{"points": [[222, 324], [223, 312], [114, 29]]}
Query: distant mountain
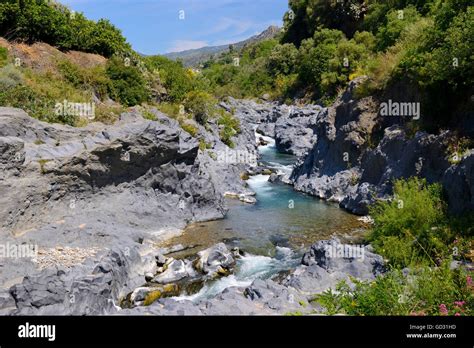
{"points": [[200, 55]]}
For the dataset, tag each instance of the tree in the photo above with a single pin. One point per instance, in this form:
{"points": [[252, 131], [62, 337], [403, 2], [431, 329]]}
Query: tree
{"points": [[53, 23], [305, 16], [283, 59]]}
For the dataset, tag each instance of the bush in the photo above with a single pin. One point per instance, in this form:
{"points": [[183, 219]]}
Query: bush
{"points": [[312, 14], [230, 127], [283, 59], [396, 22], [177, 80], [3, 56], [51, 22], [425, 291], [10, 77], [201, 104], [416, 217], [128, 85], [190, 128], [91, 79], [38, 106]]}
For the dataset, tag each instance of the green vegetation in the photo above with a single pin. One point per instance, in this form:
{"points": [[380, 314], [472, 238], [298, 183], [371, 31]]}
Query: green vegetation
{"points": [[42, 163], [424, 45], [412, 225], [425, 291], [201, 105], [94, 79], [53, 23], [177, 80], [128, 84], [3, 56], [230, 126], [414, 234]]}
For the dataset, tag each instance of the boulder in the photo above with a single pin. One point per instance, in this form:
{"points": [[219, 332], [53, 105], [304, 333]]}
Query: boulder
{"points": [[331, 261], [147, 295], [175, 271], [212, 260]]}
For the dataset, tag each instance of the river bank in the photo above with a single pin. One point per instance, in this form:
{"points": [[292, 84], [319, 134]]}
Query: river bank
{"points": [[102, 201]]}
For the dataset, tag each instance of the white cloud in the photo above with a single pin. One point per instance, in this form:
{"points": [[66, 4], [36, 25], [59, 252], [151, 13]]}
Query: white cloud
{"points": [[184, 45], [236, 26]]}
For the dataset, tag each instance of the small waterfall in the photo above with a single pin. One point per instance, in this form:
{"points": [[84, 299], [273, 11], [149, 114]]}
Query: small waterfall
{"points": [[249, 268]]}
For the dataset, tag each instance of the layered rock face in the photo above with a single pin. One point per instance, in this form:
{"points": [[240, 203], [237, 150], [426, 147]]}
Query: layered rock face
{"points": [[330, 168], [139, 175], [84, 194], [344, 166], [293, 127]]}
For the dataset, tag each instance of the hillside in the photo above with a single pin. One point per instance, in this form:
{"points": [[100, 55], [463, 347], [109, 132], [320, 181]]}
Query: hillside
{"points": [[195, 57]]}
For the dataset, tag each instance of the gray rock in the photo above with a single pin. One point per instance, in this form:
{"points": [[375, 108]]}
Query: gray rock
{"points": [[176, 270], [160, 259], [112, 185], [330, 261], [343, 167], [458, 181], [214, 260]]}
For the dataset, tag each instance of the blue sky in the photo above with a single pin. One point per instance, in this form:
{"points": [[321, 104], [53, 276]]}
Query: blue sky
{"points": [[154, 26]]}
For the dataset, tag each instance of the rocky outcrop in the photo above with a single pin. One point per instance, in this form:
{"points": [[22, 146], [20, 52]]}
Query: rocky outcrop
{"points": [[458, 181], [92, 288], [145, 170], [215, 260], [293, 127], [345, 167], [395, 157], [105, 192], [329, 170], [175, 271], [328, 262]]}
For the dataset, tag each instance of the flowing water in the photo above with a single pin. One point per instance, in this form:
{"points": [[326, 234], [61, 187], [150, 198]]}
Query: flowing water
{"points": [[274, 232]]}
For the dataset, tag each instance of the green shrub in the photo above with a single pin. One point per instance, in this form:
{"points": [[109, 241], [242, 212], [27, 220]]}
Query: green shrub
{"points": [[148, 115], [170, 109], [401, 251], [71, 72], [201, 104], [230, 126], [3, 56], [190, 128], [416, 214], [107, 114], [10, 77], [177, 80], [36, 105], [424, 291], [128, 85], [397, 21], [53, 23], [283, 59]]}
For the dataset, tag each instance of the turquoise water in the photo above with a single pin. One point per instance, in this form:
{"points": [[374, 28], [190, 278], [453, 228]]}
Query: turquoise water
{"points": [[274, 232], [281, 217]]}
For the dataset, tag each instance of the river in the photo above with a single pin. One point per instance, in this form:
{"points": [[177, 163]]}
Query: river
{"points": [[274, 232]]}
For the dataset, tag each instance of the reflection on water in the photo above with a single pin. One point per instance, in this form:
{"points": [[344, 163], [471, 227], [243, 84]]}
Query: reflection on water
{"points": [[281, 217]]}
